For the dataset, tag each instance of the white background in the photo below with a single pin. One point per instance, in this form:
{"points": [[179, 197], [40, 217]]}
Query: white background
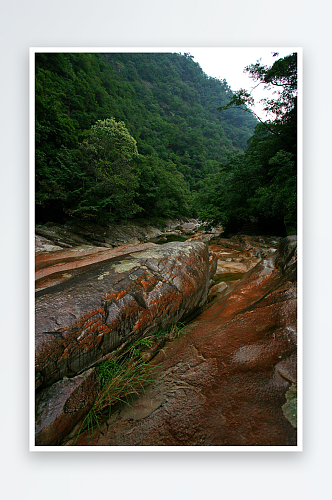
{"points": [[164, 475]]}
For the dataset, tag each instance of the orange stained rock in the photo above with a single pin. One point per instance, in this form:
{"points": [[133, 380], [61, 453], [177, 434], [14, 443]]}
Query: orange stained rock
{"points": [[81, 320], [223, 382], [53, 267]]}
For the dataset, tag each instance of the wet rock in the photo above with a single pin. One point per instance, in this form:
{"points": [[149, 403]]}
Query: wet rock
{"points": [[44, 245], [54, 267], [213, 264], [223, 383], [103, 305], [60, 407]]}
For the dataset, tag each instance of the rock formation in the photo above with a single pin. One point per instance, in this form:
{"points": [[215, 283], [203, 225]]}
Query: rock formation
{"points": [[52, 236], [90, 302], [230, 378]]}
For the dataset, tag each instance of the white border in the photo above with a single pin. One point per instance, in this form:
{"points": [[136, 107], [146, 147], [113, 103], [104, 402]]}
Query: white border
{"points": [[300, 252], [32, 248], [32, 447]]}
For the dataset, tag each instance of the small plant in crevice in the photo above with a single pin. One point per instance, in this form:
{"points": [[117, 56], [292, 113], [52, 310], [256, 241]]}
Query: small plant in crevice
{"points": [[125, 376], [119, 380], [175, 331], [171, 333]]}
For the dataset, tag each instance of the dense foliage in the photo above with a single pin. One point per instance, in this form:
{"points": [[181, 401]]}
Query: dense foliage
{"points": [[260, 183], [129, 134]]}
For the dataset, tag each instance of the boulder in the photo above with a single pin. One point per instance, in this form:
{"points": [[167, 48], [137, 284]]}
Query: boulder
{"points": [[44, 245], [53, 267], [60, 407], [102, 305], [188, 226]]}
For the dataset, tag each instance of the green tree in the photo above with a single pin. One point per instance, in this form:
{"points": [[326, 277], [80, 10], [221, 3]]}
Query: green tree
{"points": [[108, 153], [261, 182], [168, 105]]}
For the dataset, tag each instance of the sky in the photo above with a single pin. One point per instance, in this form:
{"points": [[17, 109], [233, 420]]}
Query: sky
{"points": [[229, 63]]}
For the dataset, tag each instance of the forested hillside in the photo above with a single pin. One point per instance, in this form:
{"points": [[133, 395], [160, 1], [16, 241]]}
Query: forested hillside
{"points": [[122, 135], [260, 183]]}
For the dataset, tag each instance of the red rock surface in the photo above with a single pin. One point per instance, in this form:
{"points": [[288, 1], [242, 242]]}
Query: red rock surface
{"points": [[52, 267], [223, 382], [107, 303]]}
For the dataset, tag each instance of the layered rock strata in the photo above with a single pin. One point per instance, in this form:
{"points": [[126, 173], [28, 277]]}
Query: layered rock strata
{"points": [[52, 236], [103, 301], [225, 381]]}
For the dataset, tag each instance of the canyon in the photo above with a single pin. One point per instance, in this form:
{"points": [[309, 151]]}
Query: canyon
{"points": [[229, 376]]}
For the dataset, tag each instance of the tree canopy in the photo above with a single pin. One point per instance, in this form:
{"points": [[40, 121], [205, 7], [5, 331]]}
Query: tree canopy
{"points": [[123, 135], [261, 181], [158, 114]]}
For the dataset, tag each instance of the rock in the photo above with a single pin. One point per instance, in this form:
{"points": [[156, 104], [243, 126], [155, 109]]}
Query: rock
{"points": [[219, 383], [77, 233], [152, 233], [103, 305], [288, 369], [287, 257], [188, 226], [213, 264], [172, 224], [202, 237], [233, 267], [44, 245], [217, 289], [60, 407], [215, 230], [58, 266], [60, 236]]}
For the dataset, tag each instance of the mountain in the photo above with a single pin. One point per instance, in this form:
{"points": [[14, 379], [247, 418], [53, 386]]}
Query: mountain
{"points": [[168, 106]]}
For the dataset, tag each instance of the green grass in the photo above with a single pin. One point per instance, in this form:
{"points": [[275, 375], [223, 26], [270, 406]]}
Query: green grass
{"points": [[124, 377], [170, 334], [120, 381]]}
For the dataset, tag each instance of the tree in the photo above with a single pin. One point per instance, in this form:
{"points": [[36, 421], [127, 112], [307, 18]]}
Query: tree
{"points": [[263, 183], [108, 153], [168, 105]]}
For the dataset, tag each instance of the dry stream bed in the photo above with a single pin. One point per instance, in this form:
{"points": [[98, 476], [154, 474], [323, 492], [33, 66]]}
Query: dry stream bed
{"points": [[228, 378]]}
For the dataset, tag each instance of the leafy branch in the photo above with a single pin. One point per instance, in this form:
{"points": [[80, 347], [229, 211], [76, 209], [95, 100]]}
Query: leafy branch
{"points": [[240, 99]]}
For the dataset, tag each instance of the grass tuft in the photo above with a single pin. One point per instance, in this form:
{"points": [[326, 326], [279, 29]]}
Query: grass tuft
{"points": [[124, 377]]}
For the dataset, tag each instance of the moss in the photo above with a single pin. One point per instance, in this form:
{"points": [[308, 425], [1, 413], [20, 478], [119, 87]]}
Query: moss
{"points": [[290, 407], [124, 266]]}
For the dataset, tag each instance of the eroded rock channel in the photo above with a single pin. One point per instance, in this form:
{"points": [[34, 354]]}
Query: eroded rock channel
{"points": [[228, 379]]}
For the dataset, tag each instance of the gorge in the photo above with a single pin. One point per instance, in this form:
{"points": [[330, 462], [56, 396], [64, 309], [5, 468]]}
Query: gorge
{"points": [[225, 378], [152, 328]]}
